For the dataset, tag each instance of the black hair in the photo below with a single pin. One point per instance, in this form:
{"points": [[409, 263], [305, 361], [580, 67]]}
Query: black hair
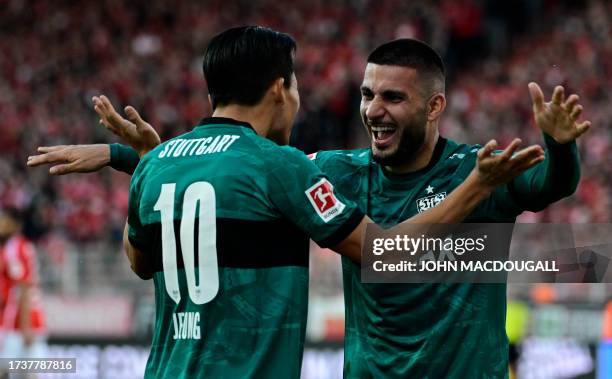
{"points": [[241, 63], [408, 52]]}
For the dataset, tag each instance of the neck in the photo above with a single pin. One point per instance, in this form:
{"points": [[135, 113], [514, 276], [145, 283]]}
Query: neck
{"points": [[421, 158], [259, 118]]}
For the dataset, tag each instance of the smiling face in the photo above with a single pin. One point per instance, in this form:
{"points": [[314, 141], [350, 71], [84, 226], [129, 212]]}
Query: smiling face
{"points": [[394, 112]]}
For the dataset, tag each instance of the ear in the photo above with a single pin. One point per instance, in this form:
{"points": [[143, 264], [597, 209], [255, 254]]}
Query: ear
{"points": [[276, 90], [436, 106]]}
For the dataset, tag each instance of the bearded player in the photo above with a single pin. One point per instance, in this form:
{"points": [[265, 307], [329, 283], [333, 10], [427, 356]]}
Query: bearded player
{"points": [[434, 330]]}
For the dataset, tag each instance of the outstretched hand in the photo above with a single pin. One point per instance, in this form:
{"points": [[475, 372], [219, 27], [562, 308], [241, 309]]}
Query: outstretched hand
{"points": [[496, 169], [134, 131], [67, 159], [558, 117]]}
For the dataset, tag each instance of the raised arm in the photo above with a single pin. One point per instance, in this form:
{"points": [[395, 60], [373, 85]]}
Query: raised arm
{"points": [[491, 171], [558, 175]]}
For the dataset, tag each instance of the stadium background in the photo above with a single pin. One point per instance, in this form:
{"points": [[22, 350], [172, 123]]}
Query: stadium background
{"points": [[54, 55]]}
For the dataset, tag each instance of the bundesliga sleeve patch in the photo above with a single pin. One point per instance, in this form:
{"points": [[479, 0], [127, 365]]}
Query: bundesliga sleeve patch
{"points": [[312, 156], [321, 196]]}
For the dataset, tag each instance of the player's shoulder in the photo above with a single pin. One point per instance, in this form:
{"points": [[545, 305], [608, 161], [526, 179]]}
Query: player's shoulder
{"points": [[146, 161], [286, 156], [264, 150], [329, 159]]}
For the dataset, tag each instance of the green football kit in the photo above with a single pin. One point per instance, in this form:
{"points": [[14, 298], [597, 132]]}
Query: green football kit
{"points": [[427, 330], [225, 217], [433, 331]]}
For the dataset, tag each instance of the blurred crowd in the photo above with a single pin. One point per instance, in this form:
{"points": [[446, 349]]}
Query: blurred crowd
{"points": [[55, 55]]}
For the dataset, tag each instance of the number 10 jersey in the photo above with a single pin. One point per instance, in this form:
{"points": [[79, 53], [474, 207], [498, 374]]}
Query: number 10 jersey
{"points": [[224, 216]]}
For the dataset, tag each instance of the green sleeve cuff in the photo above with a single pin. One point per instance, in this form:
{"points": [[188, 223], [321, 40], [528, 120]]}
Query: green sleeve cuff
{"points": [[554, 146], [549, 181], [123, 158]]}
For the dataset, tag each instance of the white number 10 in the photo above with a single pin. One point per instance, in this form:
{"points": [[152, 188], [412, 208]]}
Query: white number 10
{"points": [[208, 274]]}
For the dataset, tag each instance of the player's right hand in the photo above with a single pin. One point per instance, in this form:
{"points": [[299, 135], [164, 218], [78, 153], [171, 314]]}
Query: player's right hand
{"points": [[136, 132], [495, 169], [66, 159]]}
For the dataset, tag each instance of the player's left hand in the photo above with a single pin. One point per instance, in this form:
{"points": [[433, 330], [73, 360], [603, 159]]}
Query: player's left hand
{"points": [[558, 117]]}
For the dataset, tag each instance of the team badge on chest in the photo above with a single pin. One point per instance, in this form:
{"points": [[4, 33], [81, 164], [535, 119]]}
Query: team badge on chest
{"points": [[428, 202]]}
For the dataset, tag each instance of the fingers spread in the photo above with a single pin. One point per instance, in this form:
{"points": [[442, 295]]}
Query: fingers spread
{"points": [[537, 97]]}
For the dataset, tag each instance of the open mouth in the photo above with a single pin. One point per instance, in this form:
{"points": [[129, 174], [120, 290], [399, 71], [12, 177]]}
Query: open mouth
{"points": [[383, 135]]}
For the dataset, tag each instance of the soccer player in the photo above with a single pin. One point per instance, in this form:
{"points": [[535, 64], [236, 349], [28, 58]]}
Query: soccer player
{"points": [[434, 330], [221, 216], [409, 127], [21, 316]]}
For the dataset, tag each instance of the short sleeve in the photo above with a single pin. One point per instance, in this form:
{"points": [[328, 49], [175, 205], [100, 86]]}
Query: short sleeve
{"points": [[305, 196]]}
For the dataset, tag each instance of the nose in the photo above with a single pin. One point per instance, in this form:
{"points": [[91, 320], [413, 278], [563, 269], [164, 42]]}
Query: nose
{"points": [[375, 109]]}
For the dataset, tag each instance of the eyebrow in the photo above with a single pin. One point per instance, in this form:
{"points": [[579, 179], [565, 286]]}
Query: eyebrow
{"points": [[386, 93], [394, 93]]}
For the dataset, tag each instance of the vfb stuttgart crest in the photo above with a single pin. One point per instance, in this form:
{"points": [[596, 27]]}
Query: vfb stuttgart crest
{"points": [[323, 200], [430, 201]]}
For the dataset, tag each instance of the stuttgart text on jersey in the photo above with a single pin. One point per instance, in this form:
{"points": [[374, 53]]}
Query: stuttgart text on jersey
{"points": [[181, 147]]}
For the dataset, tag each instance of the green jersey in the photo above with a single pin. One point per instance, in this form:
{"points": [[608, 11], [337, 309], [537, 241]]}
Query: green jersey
{"points": [[224, 216], [432, 330]]}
